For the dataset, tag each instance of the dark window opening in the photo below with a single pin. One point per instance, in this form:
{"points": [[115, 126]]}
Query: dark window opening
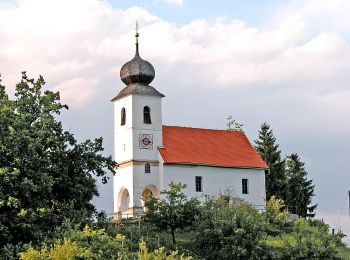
{"points": [[147, 168], [199, 187], [245, 186], [123, 117], [147, 115]]}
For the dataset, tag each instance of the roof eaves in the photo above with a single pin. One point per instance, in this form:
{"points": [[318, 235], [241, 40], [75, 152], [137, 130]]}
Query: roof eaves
{"points": [[216, 165], [139, 89]]}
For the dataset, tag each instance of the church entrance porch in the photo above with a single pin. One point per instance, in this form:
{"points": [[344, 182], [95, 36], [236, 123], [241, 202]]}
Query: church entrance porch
{"points": [[125, 210], [148, 192], [123, 205]]}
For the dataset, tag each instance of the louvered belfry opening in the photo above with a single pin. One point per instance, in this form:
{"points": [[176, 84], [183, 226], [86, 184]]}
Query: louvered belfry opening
{"points": [[147, 115]]}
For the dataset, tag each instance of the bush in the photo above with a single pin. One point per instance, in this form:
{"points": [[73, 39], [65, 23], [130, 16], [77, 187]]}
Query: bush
{"points": [[228, 231], [304, 242], [238, 231], [96, 244], [85, 244]]}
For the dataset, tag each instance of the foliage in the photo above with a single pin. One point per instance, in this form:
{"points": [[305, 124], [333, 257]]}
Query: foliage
{"points": [[175, 212], [268, 149], [228, 231], [300, 190], [223, 229], [45, 174], [85, 244], [64, 250], [296, 239], [304, 242], [158, 254], [96, 244], [343, 252], [237, 231], [276, 217]]}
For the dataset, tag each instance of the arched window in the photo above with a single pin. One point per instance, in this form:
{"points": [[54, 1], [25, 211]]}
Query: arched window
{"points": [[147, 115], [123, 117], [147, 168]]}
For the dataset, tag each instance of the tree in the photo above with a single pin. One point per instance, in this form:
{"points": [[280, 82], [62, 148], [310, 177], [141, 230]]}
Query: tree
{"points": [[299, 189], [46, 176], [174, 212], [267, 148], [228, 229]]}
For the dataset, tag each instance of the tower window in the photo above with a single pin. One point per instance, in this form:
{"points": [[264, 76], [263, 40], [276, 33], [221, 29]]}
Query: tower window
{"points": [[123, 117], [244, 186], [199, 187], [147, 168], [147, 115]]}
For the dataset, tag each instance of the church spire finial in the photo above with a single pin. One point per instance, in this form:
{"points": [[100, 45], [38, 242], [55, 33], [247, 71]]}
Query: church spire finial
{"points": [[137, 38]]}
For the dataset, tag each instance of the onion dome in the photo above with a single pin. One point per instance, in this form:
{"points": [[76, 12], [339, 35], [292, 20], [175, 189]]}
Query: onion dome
{"points": [[137, 71], [137, 74]]}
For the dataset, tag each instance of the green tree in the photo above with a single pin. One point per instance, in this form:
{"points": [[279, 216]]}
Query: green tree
{"points": [[299, 189], [228, 229], [175, 212], [46, 176], [267, 148]]}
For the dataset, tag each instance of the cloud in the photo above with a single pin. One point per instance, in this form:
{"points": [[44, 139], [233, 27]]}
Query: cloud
{"points": [[94, 36], [65, 41], [173, 2], [77, 91]]}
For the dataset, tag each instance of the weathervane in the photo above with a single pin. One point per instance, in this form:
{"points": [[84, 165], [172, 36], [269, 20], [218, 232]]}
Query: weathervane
{"points": [[137, 38], [137, 32]]}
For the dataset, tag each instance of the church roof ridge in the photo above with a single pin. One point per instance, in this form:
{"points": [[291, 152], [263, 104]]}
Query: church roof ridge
{"points": [[204, 128]]}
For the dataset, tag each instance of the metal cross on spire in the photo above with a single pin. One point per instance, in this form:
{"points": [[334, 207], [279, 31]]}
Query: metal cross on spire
{"points": [[137, 38], [137, 32]]}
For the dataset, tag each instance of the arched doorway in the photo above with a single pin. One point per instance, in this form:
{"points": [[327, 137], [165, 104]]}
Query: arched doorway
{"points": [[149, 191], [123, 200]]}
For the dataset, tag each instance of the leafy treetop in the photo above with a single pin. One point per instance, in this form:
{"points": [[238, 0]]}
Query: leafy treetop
{"points": [[46, 176]]}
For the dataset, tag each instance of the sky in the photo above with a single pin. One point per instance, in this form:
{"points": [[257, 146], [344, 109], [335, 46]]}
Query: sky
{"points": [[286, 63]]}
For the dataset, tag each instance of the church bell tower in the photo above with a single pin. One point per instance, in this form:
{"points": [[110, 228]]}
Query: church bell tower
{"points": [[137, 135]]}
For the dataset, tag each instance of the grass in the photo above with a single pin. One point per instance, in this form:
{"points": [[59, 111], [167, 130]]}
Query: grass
{"points": [[344, 253]]}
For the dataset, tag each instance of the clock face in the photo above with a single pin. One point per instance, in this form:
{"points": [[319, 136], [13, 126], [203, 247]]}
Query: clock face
{"points": [[146, 141]]}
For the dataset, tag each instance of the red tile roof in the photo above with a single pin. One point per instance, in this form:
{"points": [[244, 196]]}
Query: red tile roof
{"points": [[208, 147]]}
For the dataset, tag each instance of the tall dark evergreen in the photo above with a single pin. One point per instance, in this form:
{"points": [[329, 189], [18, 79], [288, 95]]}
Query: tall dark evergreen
{"points": [[299, 189], [267, 148], [46, 176]]}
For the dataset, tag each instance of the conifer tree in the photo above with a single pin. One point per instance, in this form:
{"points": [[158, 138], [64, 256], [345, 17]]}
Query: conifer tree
{"points": [[299, 189], [267, 148]]}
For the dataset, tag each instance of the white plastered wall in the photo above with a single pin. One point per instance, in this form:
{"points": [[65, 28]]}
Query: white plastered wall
{"points": [[217, 180], [133, 176], [143, 181], [155, 129], [123, 134], [123, 178]]}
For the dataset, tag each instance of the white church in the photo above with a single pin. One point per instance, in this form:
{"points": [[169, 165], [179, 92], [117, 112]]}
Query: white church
{"points": [[150, 155]]}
